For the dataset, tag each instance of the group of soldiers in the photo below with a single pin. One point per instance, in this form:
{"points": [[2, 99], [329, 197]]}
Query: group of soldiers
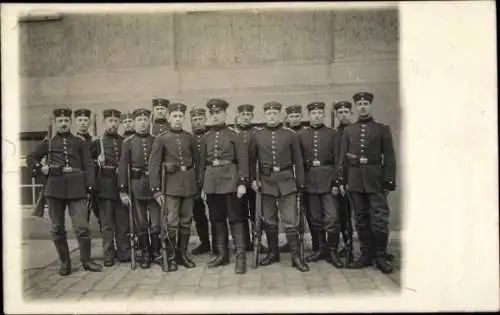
{"points": [[147, 185]]}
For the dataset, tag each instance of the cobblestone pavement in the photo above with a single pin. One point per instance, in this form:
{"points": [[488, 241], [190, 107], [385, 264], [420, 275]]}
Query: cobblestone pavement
{"points": [[120, 281]]}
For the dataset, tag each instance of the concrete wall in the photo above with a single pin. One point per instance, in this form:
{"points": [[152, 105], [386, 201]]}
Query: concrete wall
{"points": [[123, 61]]}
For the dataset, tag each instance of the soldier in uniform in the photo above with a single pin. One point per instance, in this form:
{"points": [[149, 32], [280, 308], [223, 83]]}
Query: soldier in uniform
{"points": [[277, 150], [294, 122], [223, 175], [343, 111], [198, 121], [136, 151], [247, 202], [367, 148], [127, 120], [113, 213], [177, 151], [82, 121], [320, 155], [70, 179], [160, 122]]}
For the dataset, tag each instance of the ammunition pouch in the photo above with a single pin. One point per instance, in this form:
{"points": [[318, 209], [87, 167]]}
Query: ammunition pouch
{"points": [[138, 173]]}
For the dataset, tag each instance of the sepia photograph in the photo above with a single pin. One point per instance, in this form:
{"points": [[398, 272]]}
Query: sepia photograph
{"points": [[185, 154]]}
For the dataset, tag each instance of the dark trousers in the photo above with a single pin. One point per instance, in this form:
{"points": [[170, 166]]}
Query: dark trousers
{"points": [[78, 213], [344, 208], [323, 213], [286, 206], [371, 217], [178, 212], [142, 208], [114, 220], [199, 214], [247, 204], [224, 207]]}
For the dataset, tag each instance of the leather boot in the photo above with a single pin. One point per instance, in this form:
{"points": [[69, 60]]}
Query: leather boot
{"points": [[87, 263], [366, 247], [171, 242], [108, 247], [314, 241], [321, 253], [221, 234], [381, 260], [246, 236], [215, 249], [273, 255], [61, 244], [155, 246], [348, 255], [238, 231], [182, 254], [292, 236], [285, 248], [204, 247], [333, 244], [145, 248]]}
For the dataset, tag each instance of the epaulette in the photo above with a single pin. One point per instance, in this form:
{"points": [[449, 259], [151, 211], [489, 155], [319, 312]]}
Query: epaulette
{"points": [[233, 129], [161, 134], [289, 129]]}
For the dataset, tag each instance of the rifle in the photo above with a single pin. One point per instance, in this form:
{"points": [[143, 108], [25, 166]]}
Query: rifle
{"points": [[39, 209], [164, 211], [301, 220], [257, 231], [131, 212]]}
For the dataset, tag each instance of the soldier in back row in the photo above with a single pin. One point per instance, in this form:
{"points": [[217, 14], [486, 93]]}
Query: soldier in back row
{"points": [[367, 148], [127, 121], [70, 180], [276, 149], [136, 151], [223, 175], [160, 122], [113, 214], [176, 151]]}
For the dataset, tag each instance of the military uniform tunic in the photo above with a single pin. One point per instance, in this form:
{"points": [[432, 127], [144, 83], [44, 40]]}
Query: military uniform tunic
{"points": [[277, 150], [320, 154], [159, 126]]}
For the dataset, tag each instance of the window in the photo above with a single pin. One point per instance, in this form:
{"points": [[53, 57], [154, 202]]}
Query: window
{"points": [[30, 187]]}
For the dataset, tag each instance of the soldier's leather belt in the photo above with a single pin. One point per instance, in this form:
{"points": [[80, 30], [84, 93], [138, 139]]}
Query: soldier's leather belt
{"points": [[60, 170], [138, 173], [108, 171], [174, 167], [363, 160], [218, 163], [267, 170], [317, 163]]}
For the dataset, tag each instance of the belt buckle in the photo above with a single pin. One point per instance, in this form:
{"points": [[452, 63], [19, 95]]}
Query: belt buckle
{"points": [[183, 168], [67, 169], [215, 162], [363, 160], [276, 169], [316, 163]]}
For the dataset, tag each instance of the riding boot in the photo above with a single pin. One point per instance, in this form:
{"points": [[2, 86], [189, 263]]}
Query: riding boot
{"points": [[221, 233], [61, 244], [182, 252], [155, 246], [202, 230], [292, 236], [246, 235], [381, 260], [145, 249], [171, 242], [366, 247], [273, 254], [333, 244], [215, 249], [238, 230], [87, 263], [322, 252]]}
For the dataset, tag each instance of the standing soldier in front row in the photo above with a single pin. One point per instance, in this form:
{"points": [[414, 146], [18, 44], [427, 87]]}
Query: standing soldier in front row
{"points": [[343, 111], [320, 154], [136, 151], [70, 178], [367, 148], [127, 121], [113, 214], [198, 127], [176, 151], [160, 123], [223, 174], [277, 150]]}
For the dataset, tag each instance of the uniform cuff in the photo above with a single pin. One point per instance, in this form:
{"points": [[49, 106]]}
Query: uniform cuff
{"points": [[155, 190], [389, 185], [123, 189], [157, 194], [243, 181]]}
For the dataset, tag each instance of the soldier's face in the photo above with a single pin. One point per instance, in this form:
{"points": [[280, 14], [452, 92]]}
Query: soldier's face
{"points": [[218, 117], [364, 108], [245, 118], [294, 119], [317, 117], [344, 115], [62, 124], [176, 118], [272, 117], [82, 123], [128, 124], [160, 112], [111, 124], [141, 124], [198, 122]]}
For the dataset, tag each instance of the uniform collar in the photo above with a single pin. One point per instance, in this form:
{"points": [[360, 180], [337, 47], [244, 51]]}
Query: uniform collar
{"points": [[219, 127], [142, 135], [365, 120], [160, 120], [317, 127], [111, 135], [342, 126], [64, 134], [298, 127], [128, 133], [175, 130], [85, 135], [247, 127], [273, 128], [199, 131]]}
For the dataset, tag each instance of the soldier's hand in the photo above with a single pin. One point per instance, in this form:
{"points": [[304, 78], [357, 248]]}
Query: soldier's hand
{"points": [[241, 191], [100, 159], [160, 199], [45, 169], [342, 190], [203, 195], [125, 199], [255, 186], [335, 190]]}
